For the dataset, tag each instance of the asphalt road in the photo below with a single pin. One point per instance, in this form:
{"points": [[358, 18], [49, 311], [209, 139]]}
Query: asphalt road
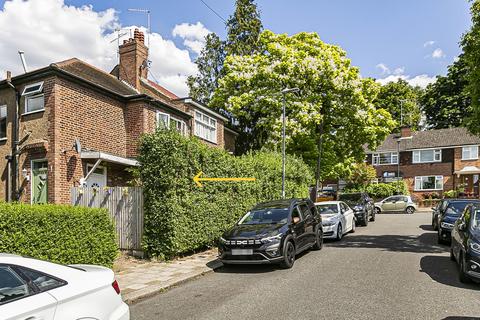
{"points": [[392, 269]]}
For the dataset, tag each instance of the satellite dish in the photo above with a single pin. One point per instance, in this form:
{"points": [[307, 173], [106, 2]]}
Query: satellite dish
{"points": [[77, 145]]}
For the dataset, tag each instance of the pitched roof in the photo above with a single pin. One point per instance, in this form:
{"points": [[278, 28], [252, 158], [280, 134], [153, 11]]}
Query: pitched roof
{"points": [[439, 138], [162, 90], [94, 75]]}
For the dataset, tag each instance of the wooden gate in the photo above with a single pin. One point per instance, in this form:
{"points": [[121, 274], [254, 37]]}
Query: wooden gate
{"points": [[125, 205]]}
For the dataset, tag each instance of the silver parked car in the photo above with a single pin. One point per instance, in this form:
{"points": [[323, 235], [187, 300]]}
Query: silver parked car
{"points": [[396, 204]]}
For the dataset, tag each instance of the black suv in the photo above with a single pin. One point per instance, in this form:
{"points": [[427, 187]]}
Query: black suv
{"points": [[465, 247], [450, 212], [361, 204], [273, 232]]}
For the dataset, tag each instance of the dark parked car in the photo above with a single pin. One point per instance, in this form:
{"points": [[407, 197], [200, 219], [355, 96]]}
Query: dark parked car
{"points": [[436, 211], [273, 232], [361, 204], [450, 212], [465, 247]]}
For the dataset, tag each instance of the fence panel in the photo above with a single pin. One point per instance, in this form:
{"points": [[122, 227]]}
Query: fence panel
{"points": [[125, 206]]}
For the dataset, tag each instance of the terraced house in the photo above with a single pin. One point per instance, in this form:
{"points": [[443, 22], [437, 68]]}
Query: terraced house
{"points": [[430, 161], [71, 124]]}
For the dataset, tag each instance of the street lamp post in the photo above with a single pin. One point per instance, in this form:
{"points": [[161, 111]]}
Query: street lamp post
{"points": [[284, 92]]}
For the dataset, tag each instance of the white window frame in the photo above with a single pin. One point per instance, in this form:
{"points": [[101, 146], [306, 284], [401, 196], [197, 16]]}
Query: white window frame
{"points": [[377, 156], [468, 149], [183, 125], [419, 179], [35, 92], [28, 98], [159, 114], [200, 123], [417, 155], [6, 120]]}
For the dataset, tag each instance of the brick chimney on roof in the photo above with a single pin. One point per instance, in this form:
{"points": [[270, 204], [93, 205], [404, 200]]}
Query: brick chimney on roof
{"points": [[405, 131], [133, 59]]}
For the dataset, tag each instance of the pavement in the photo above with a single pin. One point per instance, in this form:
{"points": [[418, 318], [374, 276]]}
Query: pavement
{"points": [[392, 269], [141, 279]]}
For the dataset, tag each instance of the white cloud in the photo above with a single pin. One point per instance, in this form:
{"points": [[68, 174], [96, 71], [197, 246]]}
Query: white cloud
{"points": [[384, 68], [193, 35], [50, 31], [438, 53], [429, 43], [399, 71], [420, 80]]}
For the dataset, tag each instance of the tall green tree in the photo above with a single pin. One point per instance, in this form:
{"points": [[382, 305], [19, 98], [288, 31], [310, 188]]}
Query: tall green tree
{"points": [[471, 48], [332, 96], [447, 102], [397, 96], [210, 64], [243, 29]]}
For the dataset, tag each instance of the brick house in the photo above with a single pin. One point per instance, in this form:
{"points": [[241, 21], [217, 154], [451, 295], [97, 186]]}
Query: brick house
{"points": [[71, 124], [430, 161]]}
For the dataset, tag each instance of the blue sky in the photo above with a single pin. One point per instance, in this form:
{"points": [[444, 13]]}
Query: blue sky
{"points": [[411, 39], [371, 31]]}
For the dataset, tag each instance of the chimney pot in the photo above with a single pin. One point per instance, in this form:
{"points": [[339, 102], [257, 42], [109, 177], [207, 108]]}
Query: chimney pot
{"points": [[9, 76], [139, 36]]}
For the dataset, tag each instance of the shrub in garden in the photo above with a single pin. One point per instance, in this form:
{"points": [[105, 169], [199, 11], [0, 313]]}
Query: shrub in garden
{"points": [[180, 216], [61, 234], [382, 190]]}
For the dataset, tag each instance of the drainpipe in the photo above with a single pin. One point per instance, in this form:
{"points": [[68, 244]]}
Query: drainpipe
{"points": [[14, 159]]}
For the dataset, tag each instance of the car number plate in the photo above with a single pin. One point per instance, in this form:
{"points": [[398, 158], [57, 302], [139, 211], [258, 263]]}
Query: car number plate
{"points": [[242, 252]]}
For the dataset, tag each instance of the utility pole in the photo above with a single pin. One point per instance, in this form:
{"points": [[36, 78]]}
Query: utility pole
{"points": [[319, 159], [284, 92]]}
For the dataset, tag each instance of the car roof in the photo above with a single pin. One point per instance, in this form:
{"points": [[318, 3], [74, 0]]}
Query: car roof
{"points": [[463, 200], [281, 203]]}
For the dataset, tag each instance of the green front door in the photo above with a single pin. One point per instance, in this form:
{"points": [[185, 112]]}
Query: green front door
{"points": [[39, 182]]}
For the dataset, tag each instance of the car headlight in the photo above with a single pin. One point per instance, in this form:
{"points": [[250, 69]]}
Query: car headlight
{"points": [[271, 239], [446, 225], [474, 246], [358, 208], [222, 240]]}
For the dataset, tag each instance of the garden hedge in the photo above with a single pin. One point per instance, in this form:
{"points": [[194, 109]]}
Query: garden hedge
{"points": [[58, 233], [181, 217], [380, 191]]}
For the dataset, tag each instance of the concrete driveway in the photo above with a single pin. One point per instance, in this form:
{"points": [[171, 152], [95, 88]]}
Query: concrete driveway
{"points": [[392, 269]]}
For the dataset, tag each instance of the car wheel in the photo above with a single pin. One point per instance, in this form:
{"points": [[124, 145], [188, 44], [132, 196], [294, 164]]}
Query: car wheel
{"points": [[434, 225], [339, 232], [462, 275], [439, 238], [410, 210], [353, 226], [288, 256], [318, 240], [372, 218], [365, 220], [452, 256]]}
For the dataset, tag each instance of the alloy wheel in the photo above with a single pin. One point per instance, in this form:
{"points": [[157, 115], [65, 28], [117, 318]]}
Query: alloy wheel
{"points": [[339, 232]]}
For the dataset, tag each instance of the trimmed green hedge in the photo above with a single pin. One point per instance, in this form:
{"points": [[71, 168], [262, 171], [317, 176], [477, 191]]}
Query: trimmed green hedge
{"points": [[382, 190], [180, 216], [57, 233]]}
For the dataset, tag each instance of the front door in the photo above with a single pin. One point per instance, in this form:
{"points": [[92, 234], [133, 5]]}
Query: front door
{"points": [[97, 178], [39, 181]]}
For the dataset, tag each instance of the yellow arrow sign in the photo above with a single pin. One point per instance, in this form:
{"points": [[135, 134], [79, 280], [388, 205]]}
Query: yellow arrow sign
{"points": [[197, 179]]}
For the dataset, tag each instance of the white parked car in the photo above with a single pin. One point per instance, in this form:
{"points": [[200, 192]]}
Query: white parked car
{"points": [[33, 289], [337, 219]]}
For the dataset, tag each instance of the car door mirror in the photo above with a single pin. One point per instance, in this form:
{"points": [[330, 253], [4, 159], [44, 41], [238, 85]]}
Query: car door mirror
{"points": [[295, 220]]}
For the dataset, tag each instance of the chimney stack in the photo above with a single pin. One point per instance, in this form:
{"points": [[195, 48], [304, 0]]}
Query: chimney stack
{"points": [[9, 76], [405, 131], [134, 59]]}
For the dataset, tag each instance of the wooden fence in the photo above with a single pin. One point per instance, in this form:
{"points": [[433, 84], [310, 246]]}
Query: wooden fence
{"points": [[126, 209]]}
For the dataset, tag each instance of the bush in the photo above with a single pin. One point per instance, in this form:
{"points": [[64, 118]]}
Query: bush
{"points": [[57, 233], [450, 194], [181, 217], [383, 190]]}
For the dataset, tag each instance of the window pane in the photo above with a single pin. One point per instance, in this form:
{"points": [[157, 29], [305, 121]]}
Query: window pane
{"points": [[42, 281], [426, 156], [11, 286], [416, 156], [35, 103], [428, 183], [3, 111], [3, 128]]}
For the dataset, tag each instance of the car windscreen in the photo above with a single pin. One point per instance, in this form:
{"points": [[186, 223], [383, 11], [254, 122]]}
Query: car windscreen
{"points": [[265, 216], [327, 208], [456, 208], [476, 220]]}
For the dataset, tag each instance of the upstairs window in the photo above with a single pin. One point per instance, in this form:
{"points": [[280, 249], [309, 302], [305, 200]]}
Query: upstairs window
{"points": [[430, 155], [3, 122], [34, 98], [205, 127], [470, 153], [385, 158], [179, 125], [163, 120]]}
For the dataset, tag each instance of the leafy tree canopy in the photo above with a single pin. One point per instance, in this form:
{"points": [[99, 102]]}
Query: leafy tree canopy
{"points": [[395, 96], [446, 102], [332, 94]]}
